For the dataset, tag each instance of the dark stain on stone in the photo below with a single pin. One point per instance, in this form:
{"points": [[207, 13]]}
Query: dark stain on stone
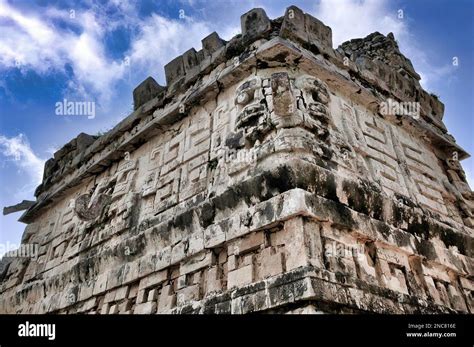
{"points": [[262, 64], [183, 220], [402, 238], [235, 140], [383, 228], [268, 212], [426, 248], [281, 57], [419, 227], [364, 197], [451, 238], [229, 199], [207, 214], [340, 277]]}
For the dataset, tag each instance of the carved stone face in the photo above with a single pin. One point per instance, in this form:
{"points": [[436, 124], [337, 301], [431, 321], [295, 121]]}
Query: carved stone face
{"points": [[453, 164], [315, 95], [89, 206], [248, 100], [315, 101], [88, 210]]}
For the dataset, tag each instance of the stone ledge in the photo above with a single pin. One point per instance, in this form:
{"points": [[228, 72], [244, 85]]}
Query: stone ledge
{"points": [[309, 284]]}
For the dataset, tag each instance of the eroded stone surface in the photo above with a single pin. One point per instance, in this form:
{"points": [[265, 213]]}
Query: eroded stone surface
{"points": [[263, 178]]}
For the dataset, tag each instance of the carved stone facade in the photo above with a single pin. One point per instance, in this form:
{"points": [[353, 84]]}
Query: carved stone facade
{"points": [[264, 177]]}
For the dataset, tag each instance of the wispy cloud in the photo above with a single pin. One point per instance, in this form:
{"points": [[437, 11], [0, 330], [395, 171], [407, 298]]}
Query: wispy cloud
{"points": [[18, 151], [159, 40], [41, 44], [76, 47], [357, 18]]}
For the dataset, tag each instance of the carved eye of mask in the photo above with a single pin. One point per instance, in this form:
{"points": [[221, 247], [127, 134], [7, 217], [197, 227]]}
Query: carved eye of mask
{"points": [[322, 97], [246, 91], [243, 98], [317, 108], [452, 164]]}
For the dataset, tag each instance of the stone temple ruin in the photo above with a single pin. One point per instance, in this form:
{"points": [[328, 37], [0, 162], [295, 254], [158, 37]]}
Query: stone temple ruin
{"points": [[263, 178]]}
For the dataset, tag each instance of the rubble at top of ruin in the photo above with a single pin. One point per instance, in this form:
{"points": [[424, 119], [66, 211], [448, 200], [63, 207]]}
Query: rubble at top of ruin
{"points": [[380, 48]]}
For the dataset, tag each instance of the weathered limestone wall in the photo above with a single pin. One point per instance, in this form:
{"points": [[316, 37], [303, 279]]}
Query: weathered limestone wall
{"points": [[264, 177]]}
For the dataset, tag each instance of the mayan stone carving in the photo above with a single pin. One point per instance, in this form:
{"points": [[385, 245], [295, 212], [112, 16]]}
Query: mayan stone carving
{"points": [[273, 173]]}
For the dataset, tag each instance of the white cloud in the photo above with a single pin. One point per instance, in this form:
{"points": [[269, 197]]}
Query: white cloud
{"points": [[31, 42], [351, 19], [160, 40], [42, 44], [18, 150]]}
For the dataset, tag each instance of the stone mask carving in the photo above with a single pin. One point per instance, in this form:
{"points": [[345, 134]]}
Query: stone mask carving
{"points": [[248, 99], [315, 96], [90, 206], [314, 100]]}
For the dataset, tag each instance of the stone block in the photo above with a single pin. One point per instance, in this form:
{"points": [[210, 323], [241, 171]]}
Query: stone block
{"points": [[146, 91], [295, 249], [187, 294], [153, 295], [130, 272], [250, 242], [133, 291], [125, 306], [271, 263], [195, 243], [197, 262], [255, 24], [211, 43], [121, 293], [178, 252], [101, 284], [181, 282], [318, 32], [214, 282], [190, 60], [163, 258], [142, 296], [113, 309], [304, 28], [105, 309], [174, 70], [109, 296], [145, 308], [214, 236], [293, 25], [146, 265], [231, 262], [240, 277], [167, 299], [153, 280], [197, 277]]}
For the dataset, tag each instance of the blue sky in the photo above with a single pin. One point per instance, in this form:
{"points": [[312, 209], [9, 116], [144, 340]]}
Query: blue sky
{"points": [[99, 51]]}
